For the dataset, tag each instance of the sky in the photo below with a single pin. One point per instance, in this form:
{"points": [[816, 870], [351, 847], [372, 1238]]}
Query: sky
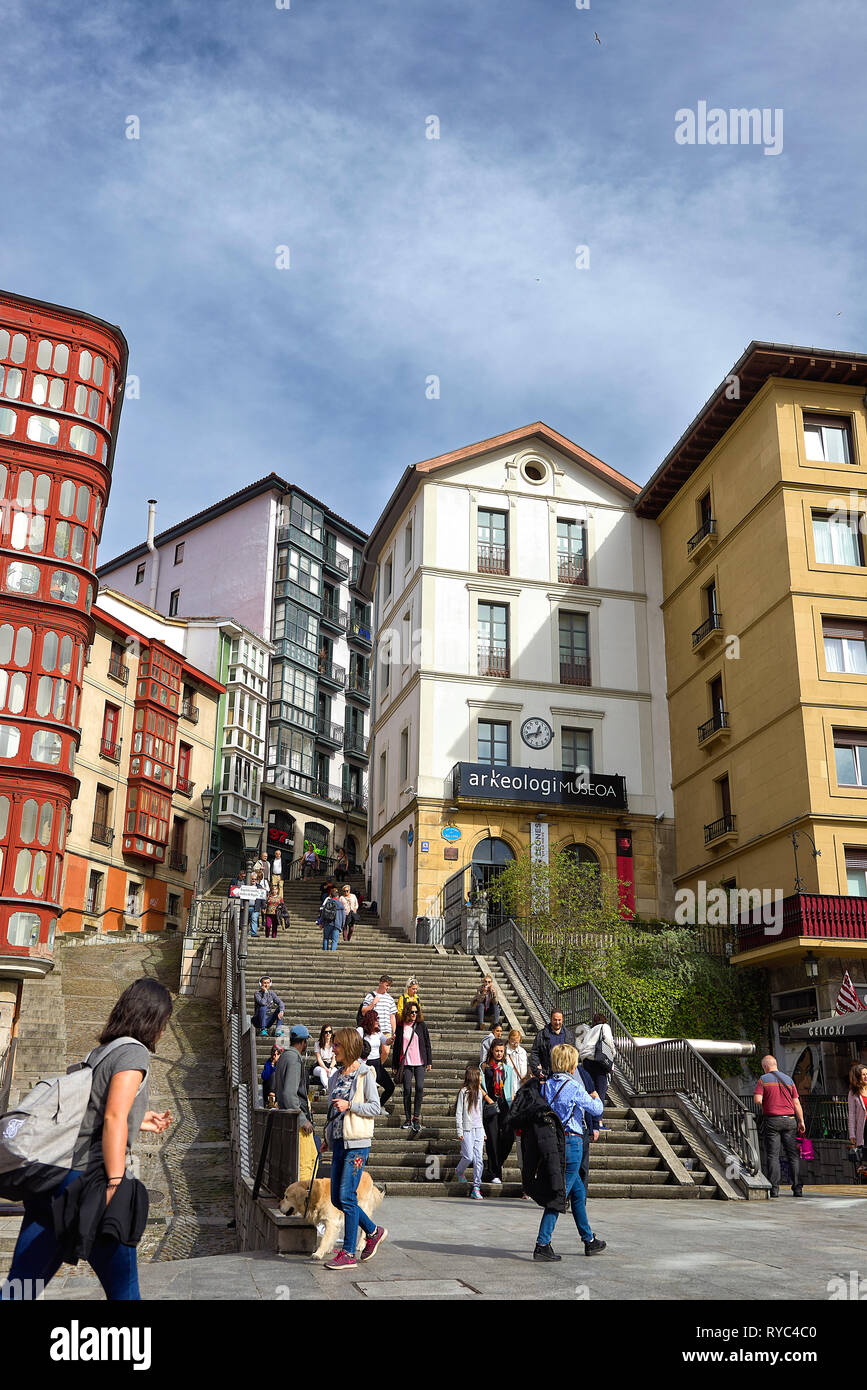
{"points": [[270, 135]]}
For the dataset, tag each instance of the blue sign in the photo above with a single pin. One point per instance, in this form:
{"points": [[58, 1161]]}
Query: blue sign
{"points": [[424, 847], [410, 835], [451, 832]]}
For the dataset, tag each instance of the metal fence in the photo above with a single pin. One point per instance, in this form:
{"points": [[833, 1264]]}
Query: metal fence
{"points": [[573, 937], [825, 1117], [673, 1066]]}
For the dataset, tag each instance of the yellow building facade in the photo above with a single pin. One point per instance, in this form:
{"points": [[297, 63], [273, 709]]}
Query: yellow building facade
{"points": [[762, 510]]}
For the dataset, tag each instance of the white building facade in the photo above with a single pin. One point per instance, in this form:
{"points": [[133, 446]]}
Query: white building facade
{"points": [[518, 641]]}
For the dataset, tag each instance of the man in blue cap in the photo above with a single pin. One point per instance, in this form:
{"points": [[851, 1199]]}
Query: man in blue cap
{"points": [[290, 1076]]}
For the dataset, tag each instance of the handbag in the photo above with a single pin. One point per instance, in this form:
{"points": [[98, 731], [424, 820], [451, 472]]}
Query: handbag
{"points": [[805, 1148], [357, 1126], [600, 1055]]}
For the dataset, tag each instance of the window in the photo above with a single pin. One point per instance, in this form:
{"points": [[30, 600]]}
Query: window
{"points": [[82, 440], [179, 553], [493, 542], [8, 421], [174, 600], [305, 572], [493, 743], [185, 754], [10, 384], [574, 649], [850, 756], [93, 899], [382, 775], [22, 579], [404, 757], [140, 572], [725, 797], [133, 899], [837, 542], [856, 872], [845, 647], [571, 552], [110, 727], [385, 663], [23, 929], [174, 905], [828, 439], [711, 604], [10, 737], [46, 747], [577, 750], [493, 635], [306, 518], [407, 546], [387, 578], [43, 430]]}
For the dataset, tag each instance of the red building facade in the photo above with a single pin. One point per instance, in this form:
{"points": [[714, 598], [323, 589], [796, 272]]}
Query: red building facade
{"points": [[61, 383]]}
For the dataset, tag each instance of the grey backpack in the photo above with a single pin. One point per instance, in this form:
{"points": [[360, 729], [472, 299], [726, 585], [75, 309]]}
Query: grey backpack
{"points": [[38, 1137]]}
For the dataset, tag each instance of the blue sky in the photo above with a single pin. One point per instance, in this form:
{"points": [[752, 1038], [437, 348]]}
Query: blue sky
{"points": [[412, 257]]}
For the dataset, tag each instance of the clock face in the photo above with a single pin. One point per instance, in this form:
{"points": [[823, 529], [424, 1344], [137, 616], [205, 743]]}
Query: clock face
{"points": [[536, 733]]}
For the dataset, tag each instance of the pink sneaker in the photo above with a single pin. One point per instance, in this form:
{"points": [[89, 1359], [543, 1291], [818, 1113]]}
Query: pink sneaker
{"points": [[372, 1244], [342, 1260]]}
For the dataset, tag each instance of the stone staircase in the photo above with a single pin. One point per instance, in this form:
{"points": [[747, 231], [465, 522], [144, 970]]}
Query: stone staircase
{"points": [[320, 987], [188, 1169]]}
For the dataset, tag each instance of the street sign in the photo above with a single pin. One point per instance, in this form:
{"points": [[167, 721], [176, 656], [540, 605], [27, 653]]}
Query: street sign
{"points": [[424, 847], [450, 832], [247, 892]]}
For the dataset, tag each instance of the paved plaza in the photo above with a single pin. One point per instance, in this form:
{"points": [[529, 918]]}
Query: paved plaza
{"points": [[456, 1248]]}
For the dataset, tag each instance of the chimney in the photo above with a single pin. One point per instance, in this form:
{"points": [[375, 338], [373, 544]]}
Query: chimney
{"points": [[155, 558]]}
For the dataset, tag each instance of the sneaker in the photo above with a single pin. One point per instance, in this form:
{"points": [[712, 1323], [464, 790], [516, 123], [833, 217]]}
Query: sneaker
{"points": [[595, 1247], [407, 1124], [264, 1033], [372, 1244], [342, 1260], [797, 1191], [774, 1192], [525, 1197], [497, 1182], [476, 1195], [544, 1252], [416, 1127]]}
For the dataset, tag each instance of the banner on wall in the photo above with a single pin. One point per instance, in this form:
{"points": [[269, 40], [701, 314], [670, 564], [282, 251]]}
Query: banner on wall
{"points": [[539, 855]]}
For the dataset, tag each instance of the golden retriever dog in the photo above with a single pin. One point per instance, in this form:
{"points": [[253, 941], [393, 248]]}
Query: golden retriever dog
{"points": [[321, 1210]]}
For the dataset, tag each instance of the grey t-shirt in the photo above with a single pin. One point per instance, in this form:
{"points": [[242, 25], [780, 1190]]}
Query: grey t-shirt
{"points": [[88, 1146]]}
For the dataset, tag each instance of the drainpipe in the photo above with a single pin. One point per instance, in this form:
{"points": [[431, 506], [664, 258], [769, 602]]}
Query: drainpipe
{"points": [[155, 561]]}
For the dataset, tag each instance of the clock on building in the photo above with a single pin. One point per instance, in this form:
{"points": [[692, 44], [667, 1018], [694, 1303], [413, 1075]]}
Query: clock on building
{"points": [[536, 733]]}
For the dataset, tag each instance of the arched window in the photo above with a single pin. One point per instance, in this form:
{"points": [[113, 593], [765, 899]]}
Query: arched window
{"points": [[489, 859], [582, 854]]}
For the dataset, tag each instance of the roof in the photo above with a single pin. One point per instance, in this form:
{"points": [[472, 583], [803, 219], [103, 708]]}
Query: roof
{"points": [[270, 483], [414, 475], [187, 667], [757, 365]]}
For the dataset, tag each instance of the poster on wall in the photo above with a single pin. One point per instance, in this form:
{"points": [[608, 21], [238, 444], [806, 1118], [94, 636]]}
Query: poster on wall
{"points": [[539, 855]]}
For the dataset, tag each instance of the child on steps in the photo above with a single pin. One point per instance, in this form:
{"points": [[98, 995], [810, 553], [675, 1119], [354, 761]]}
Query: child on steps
{"points": [[471, 1132]]}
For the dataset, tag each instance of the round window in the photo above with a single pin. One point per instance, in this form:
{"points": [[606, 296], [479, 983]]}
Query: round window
{"points": [[534, 472]]}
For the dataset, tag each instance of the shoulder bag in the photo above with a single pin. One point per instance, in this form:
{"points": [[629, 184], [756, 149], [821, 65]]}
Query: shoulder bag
{"points": [[357, 1126]]}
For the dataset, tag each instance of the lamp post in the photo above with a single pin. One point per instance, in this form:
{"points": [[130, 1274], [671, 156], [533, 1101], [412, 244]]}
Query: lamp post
{"points": [[207, 804], [811, 965], [346, 802], [252, 836], [817, 854]]}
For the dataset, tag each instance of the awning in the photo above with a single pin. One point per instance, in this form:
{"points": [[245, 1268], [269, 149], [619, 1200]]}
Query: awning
{"points": [[852, 1025]]}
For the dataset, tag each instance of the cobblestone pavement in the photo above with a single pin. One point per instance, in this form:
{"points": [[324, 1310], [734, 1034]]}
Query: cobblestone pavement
{"points": [[458, 1249]]}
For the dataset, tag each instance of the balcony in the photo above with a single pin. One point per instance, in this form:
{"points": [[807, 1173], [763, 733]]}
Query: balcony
{"points": [[286, 779], [292, 714], [109, 748], [719, 831], [287, 588], [827, 917], [493, 660], [337, 564], [355, 745], [101, 834], [571, 569], [333, 616], [329, 674], [118, 671], [293, 535], [329, 732], [177, 861], [358, 687], [353, 576], [190, 711], [702, 540], [718, 724], [291, 650], [575, 673], [360, 634], [709, 632], [493, 559], [184, 786]]}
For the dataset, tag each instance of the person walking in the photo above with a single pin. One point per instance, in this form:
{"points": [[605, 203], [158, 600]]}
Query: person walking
{"points": [[290, 1077], [377, 1053], [596, 1051], [331, 918], [117, 1110], [352, 1106], [268, 1071], [411, 1059], [409, 996], [485, 1000], [268, 1009], [569, 1101], [857, 1111], [516, 1057], [554, 1034], [386, 1009], [782, 1119], [471, 1131], [257, 903], [350, 911], [495, 1035], [325, 1062], [277, 873], [498, 1091], [271, 907], [309, 862], [342, 862]]}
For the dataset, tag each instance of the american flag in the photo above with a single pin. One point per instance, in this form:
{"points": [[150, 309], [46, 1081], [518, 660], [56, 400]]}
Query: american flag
{"points": [[847, 1000]]}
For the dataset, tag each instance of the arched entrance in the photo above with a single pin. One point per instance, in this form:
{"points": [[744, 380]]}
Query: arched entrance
{"points": [[583, 854], [316, 837], [281, 833], [489, 859]]}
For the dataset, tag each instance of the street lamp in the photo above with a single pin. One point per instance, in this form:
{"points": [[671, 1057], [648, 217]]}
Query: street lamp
{"points": [[207, 803], [811, 965], [817, 854]]}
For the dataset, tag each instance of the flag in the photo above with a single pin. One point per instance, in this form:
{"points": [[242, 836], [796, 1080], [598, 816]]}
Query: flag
{"points": [[847, 1000]]}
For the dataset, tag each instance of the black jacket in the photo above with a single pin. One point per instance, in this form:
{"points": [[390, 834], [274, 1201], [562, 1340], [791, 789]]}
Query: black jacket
{"points": [[423, 1041], [541, 1054], [543, 1147], [80, 1214]]}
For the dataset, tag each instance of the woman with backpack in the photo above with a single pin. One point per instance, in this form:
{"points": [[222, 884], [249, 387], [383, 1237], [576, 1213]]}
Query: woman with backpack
{"points": [[331, 918], [375, 1051], [116, 1110], [412, 1058]]}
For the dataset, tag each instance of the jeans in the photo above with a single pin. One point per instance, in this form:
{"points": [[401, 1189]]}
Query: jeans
{"points": [[37, 1254], [471, 1153], [782, 1129], [384, 1080], [347, 1166], [408, 1074], [576, 1195], [330, 938], [495, 1013], [254, 921], [262, 1019], [499, 1147]]}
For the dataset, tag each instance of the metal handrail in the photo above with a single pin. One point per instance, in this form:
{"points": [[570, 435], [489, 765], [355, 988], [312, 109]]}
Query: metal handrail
{"points": [[7, 1069], [646, 1070]]}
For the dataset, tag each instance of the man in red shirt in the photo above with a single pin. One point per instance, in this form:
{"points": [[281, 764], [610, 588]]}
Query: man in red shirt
{"points": [[782, 1118]]}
